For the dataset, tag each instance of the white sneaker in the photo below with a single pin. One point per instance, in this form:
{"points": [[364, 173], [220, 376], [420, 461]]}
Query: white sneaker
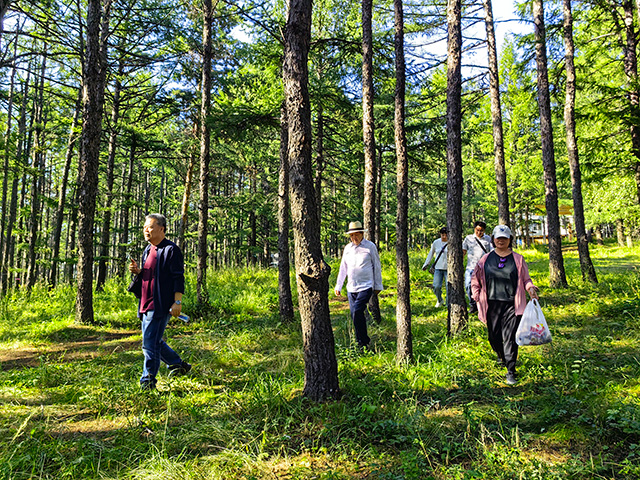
{"points": [[438, 304]]}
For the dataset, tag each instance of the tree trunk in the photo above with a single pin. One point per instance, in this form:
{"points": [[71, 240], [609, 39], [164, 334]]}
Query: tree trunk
{"points": [[312, 272], [205, 156], [368, 132], [620, 232], [93, 81], [456, 297], [184, 209], [586, 265], [599, 240], [404, 347], [37, 173], [631, 71], [127, 201], [557, 276], [319, 159], [106, 220], [57, 229], [284, 278], [496, 118]]}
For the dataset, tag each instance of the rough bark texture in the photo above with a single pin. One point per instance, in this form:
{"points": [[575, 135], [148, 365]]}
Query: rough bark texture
{"points": [[404, 348], [557, 276], [205, 156], [57, 231], [631, 70], [111, 157], [94, 73], [284, 267], [312, 272], [496, 118], [184, 209], [319, 159], [368, 132], [586, 265], [456, 300]]}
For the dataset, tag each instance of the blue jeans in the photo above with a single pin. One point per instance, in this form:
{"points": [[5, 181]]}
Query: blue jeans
{"points": [[439, 277], [467, 285], [357, 304], [155, 349]]}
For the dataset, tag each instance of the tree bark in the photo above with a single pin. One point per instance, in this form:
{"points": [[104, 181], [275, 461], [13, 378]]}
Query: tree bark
{"points": [[184, 209], [319, 159], [368, 129], [93, 81], [205, 155], [557, 276], [106, 219], [62, 195], [620, 232], [312, 272], [284, 277], [496, 118], [37, 173], [456, 297], [404, 347], [127, 202], [586, 265]]}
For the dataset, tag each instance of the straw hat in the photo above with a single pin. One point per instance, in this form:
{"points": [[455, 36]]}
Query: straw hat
{"points": [[354, 227]]}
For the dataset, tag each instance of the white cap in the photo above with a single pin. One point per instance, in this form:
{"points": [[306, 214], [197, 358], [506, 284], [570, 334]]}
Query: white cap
{"points": [[501, 231]]}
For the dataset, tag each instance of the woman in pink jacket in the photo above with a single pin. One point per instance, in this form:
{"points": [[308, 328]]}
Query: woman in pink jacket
{"points": [[498, 284]]}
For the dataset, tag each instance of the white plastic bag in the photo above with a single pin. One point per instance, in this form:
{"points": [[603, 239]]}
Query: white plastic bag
{"points": [[533, 329]]}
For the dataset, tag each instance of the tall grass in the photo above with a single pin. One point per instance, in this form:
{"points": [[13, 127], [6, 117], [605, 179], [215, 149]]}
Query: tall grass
{"points": [[71, 407]]}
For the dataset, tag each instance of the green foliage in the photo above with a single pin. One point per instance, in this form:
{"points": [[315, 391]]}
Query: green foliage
{"points": [[71, 407]]}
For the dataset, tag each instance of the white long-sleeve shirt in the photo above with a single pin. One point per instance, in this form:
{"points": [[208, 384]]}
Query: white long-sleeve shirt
{"points": [[361, 264], [436, 246]]}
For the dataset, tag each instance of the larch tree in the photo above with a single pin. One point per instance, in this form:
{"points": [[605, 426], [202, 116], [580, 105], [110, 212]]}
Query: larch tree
{"points": [[557, 276], [456, 298], [404, 347], [586, 265], [205, 151], [496, 117], [93, 84], [312, 272], [284, 276]]}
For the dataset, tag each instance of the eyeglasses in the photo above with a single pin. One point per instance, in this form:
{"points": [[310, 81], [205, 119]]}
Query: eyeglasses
{"points": [[502, 262]]}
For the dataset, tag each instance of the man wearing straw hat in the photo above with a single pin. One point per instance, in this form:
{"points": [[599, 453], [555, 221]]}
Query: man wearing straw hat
{"points": [[361, 264]]}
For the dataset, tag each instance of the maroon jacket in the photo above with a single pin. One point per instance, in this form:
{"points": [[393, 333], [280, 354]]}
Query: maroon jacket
{"points": [[479, 286]]}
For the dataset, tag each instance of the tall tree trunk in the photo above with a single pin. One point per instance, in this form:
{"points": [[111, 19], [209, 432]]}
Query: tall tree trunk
{"points": [[312, 272], [62, 194], [379, 174], [106, 219], [404, 347], [557, 276], [205, 157], [631, 71], [93, 81], [456, 297], [4, 6], [9, 240], [586, 265], [368, 132], [125, 208], [620, 232], [599, 240], [496, 118], [319, 159], [284, 268], [37, 172], [184, 209]]}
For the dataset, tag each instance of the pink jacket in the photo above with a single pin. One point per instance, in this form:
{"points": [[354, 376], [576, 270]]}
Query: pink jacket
{"points": [[479, 286]]}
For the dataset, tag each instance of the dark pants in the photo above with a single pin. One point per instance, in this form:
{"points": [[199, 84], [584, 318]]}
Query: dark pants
{"points": [[357, 304], [502, 323]]}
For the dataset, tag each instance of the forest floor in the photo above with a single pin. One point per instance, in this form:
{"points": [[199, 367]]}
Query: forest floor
{"points": [[71, 407]]}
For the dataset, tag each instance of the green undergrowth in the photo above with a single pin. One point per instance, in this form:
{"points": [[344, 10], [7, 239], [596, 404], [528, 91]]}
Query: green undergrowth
{"points": [[71, 407]]}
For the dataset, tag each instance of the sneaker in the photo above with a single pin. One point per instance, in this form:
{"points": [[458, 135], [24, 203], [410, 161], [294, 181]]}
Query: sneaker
{"points": [[511, 379], [147, 386], [179, 369], [438, 304]]}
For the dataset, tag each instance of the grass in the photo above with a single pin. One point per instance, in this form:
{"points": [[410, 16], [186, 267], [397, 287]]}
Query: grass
{"points": [[71, 408]]}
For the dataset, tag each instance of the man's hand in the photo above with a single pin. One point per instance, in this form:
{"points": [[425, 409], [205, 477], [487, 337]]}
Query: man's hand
{"points": [[337, 292], [133, 267], [424, 267], [175, 310], [533, 292]]}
